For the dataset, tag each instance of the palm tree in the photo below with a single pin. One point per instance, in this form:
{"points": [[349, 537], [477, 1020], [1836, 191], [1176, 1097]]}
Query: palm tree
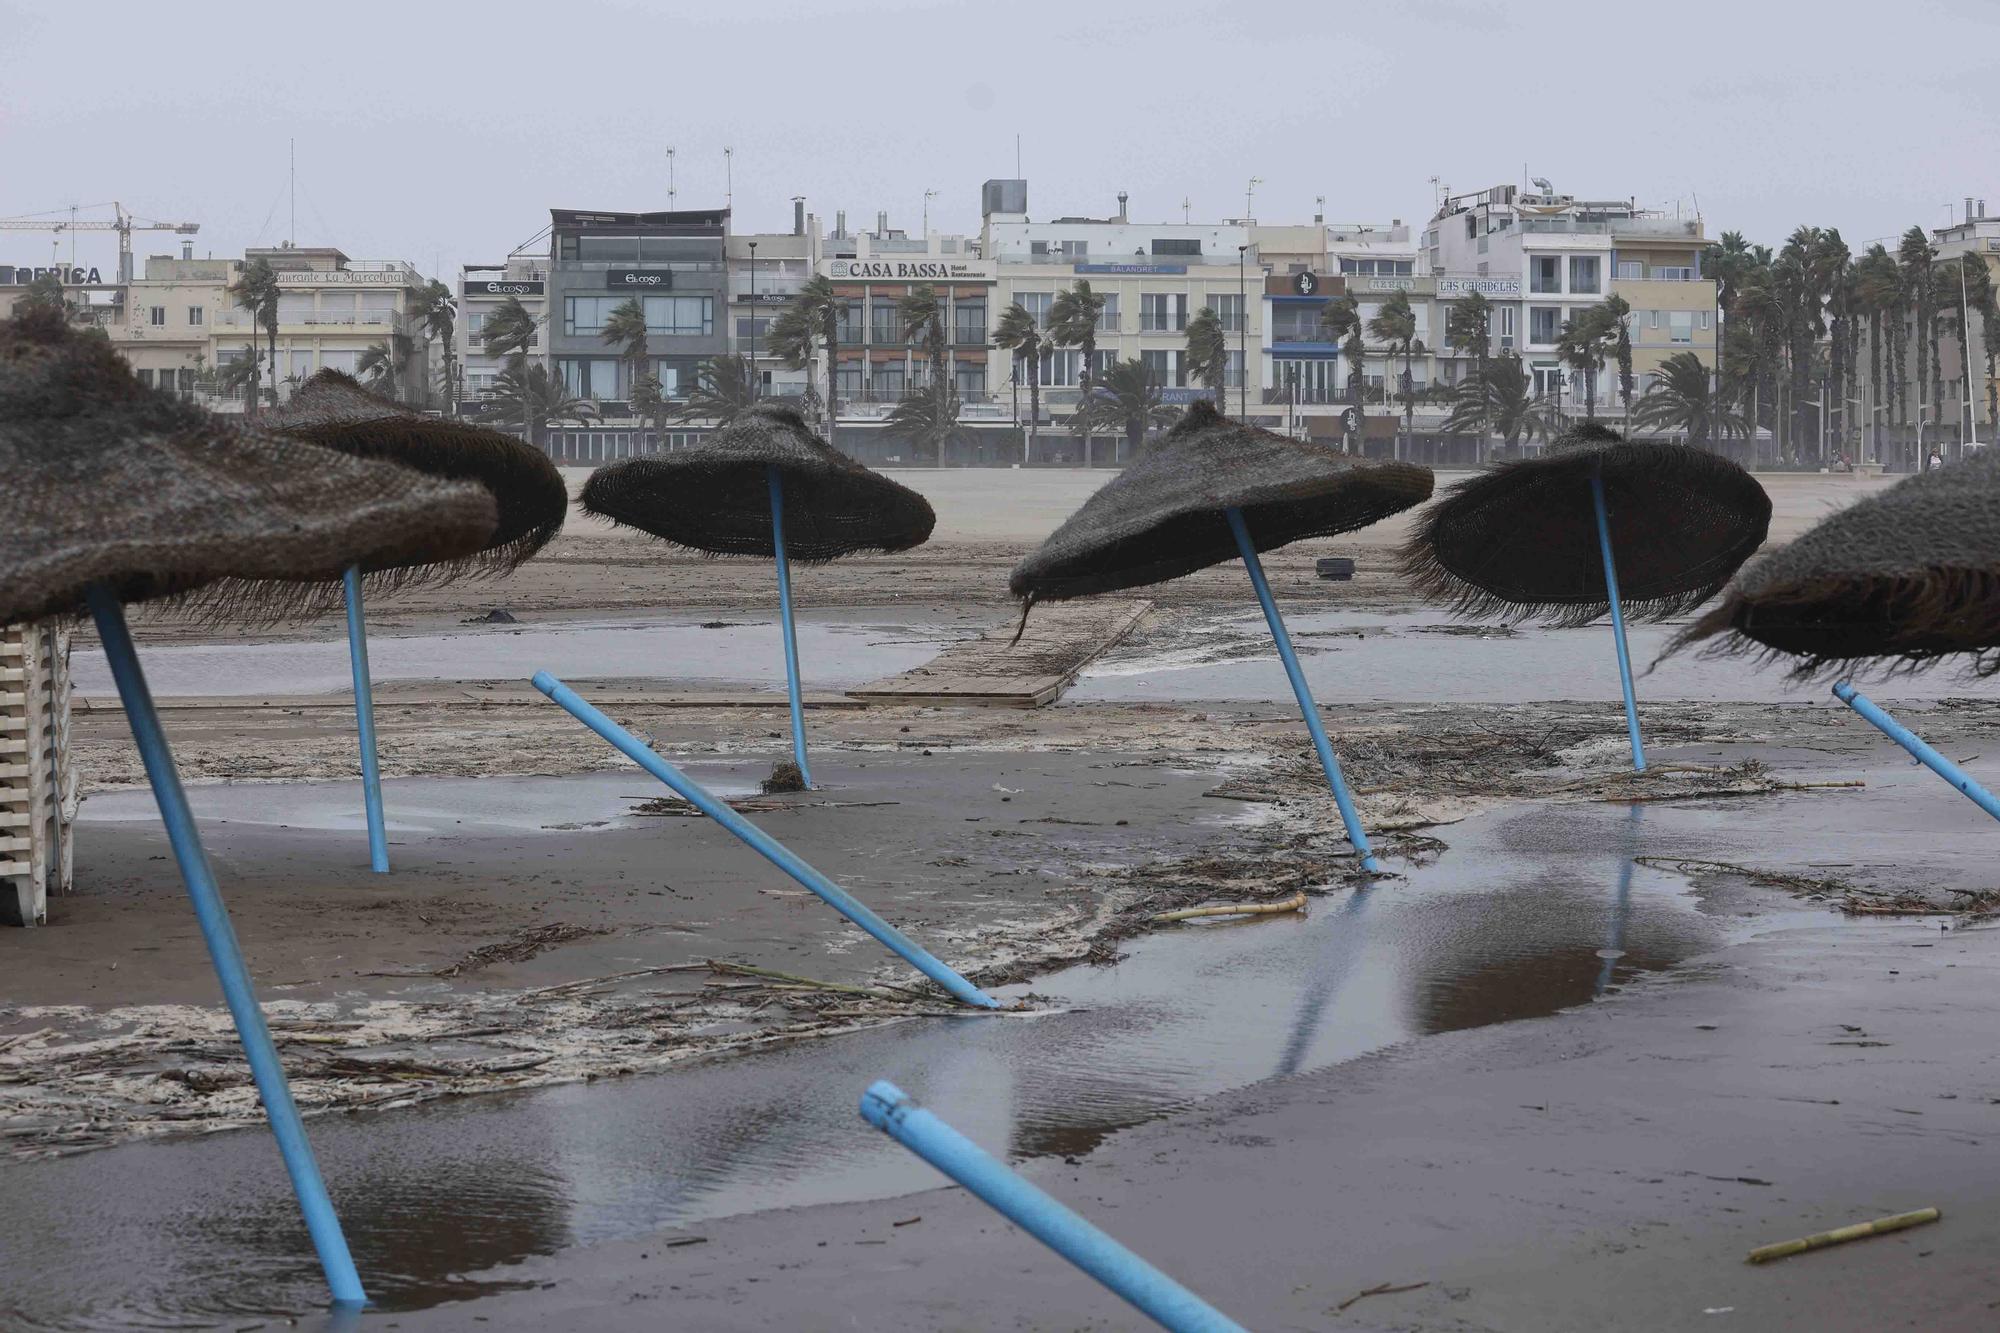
{"points": [[1073, 317], [1340, 321], [436, 311], [928, 418], [1208, 351], [1979, 295], [811, 321], [1918, 260], [1468, 328], [1586, 339], [1016, 332], [509, 330], [257, 292], [1877, 295], [529, 397], [243, 374], [1618, 318], [922, 313], [1500, 400], [1680, 400], [1396, 325], [46, 293], [722, 391], [381, 364], [1129, 399], [625, 329]]}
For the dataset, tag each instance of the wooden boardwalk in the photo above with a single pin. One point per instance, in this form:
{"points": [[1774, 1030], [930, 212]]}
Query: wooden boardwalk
{"points": [[1060, 641]]}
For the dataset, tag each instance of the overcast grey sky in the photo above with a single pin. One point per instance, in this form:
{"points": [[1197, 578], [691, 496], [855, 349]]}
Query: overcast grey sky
{"points": [[442, 133]]}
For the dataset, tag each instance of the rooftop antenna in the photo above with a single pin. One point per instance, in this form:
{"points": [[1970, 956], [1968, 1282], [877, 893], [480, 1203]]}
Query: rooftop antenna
{"points": [[1249, 192], [670, 179], [293, 188], [728, 177], [1017, 157], [1186, 206], [928, 196]]}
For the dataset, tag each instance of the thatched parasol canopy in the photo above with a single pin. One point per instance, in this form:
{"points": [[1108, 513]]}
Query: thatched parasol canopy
{"points": [[333, 410], [1521, 539], [1163, 516], [1910, 574], [717, 497], [102, 480]]}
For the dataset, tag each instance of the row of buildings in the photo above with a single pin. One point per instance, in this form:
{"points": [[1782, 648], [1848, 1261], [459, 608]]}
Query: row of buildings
{"points": [[1536, 255]]}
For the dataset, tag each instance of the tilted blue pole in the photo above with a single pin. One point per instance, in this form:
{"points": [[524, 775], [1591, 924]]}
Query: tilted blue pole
{"points": [[1355, 833], [764, 844], [1617, 621], [1924, 754], [1621, 905], [791, 632], [364, 719], [223, 951], [1163, 1300]]}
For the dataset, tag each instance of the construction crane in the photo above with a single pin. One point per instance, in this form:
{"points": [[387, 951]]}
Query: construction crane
{"points": [[123, 223]]}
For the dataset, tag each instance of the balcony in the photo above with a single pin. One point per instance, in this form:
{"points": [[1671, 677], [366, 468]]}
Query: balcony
{"points": [[1164, 324]]}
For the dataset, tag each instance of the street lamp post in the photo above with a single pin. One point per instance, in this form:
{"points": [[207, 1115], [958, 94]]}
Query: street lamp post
{"points": [[1242, 337], [754, 308], [1965, 356]]}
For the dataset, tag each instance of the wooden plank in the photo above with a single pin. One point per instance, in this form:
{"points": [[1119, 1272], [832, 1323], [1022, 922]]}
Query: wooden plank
{"points": [[996, 671]]}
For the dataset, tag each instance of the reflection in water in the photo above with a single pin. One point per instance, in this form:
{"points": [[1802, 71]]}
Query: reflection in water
{"points": [[1508, 923], [1621, 905]]}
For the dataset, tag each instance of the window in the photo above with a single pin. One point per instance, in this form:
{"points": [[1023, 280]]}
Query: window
{"points": [[145, 377], [1163, 312], [196, 315], [1038, 249], [377, 308], [1159, 365], [1584, 273], [968, 321], [753, 326], [1680, 326], [597, 377], [1059, 367], [1506, 321], [680, 316], [1353, 265], [1548, 380], [971, 377], [475, 325], [1701, 318], [1544, 273], [1176, 247], [1674, 273], [1544, 323], [1631, 270], [890, 382], [1107, 318], [157, 316], [583, 315], [885, 322], [1229, 310], [1073, 250], [1037, 306], [847, 378], [187, 380], [1232, 374], [848, 330]]}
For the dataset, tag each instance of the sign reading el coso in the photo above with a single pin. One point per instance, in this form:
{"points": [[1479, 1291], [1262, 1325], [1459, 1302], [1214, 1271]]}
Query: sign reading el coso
{"points": [[1483, 286], [501, 287], [909, 270], [657, 279]]}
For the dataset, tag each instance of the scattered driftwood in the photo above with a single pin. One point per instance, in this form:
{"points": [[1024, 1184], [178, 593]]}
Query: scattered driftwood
{"points": [[810, 983], [1386, 1289], [1881, 1226], [1295, 903], [518, 946]]}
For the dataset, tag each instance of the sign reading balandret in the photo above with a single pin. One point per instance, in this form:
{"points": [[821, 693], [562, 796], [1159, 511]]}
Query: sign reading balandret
{"points": [[908, 270], [1129, 268], [503, 287], [652, 279], [1483, 286]]}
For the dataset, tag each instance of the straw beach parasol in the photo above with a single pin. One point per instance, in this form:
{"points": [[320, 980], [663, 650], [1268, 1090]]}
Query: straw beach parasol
{"points": [[1596, 524], [1910, 577], [115, 493], [1212, 490], [764, 485], [529, 498]]}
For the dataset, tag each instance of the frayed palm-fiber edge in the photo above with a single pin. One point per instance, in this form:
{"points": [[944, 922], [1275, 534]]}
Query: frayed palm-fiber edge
{"points": [[1938, 614], [1464, 600]]}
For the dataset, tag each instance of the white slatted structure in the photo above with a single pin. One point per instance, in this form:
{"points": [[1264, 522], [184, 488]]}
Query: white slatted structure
{"points": [[38, 790]]}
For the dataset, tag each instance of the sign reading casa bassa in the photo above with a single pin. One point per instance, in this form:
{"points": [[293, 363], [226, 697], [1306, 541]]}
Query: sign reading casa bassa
{"points": [[501, 287], [1483, 286], [657, 279], [909, 270]]}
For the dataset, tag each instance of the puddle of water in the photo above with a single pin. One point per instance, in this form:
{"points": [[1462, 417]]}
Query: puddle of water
{"points": [[1358, 656], [1519, 918], [420, 807], [835, 652]]}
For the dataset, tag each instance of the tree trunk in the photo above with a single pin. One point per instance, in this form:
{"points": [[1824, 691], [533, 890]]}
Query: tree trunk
{"points": [[1034, 399], [832, 407]]}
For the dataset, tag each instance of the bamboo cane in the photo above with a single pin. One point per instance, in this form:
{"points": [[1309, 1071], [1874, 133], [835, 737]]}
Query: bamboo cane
{"points": [[1881, 1226], [1295, 903]]}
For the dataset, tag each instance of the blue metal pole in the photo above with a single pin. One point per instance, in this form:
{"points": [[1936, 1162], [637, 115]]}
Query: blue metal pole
{"points": [[1924, 754], [1621, 905], [223, 950], [1617, 621], [364, 718], [764, 844], [791, 632], [1355, 833], [1163, 1300]]}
